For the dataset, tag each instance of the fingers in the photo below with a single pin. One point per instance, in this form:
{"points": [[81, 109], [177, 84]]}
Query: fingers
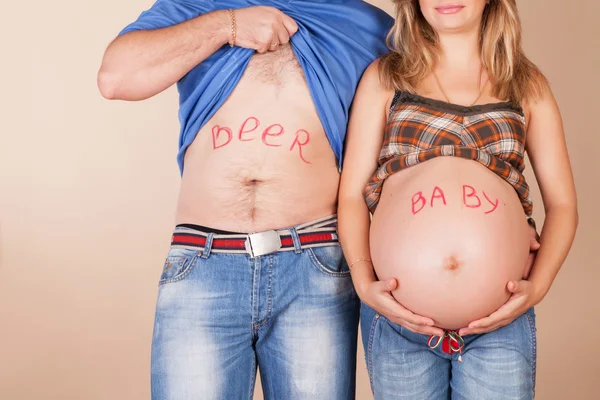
{"points": [[483, 323], [513, 287], [489, 326], [504, 316], [425, 330], [283, 29], [498, 317], [411, 318], [386, 286], [274, 44], [270, 44], [508, 312], [534, 240], [290, 25], [396, 313], [282, 35], [534, 245], [263, 46], [383, 301], [263, 28], [413, 322]]}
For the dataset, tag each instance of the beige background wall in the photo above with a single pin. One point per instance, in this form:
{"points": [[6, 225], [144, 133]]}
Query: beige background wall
{"points": [[88, 190]]}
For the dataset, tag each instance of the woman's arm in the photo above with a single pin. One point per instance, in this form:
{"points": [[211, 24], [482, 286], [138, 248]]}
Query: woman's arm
{"points": [[547, 150], [363, 144]]}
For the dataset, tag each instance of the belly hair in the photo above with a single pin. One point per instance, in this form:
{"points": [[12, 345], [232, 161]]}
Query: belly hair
{"points": [[245, 198], [276, 67]]}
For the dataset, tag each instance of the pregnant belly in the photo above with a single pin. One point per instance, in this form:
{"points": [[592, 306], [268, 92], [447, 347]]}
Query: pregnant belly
{"points": [[453, 234]]}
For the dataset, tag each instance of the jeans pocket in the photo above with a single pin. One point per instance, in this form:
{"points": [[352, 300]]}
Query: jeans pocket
{"points": [[329, 260], [178, 264]]}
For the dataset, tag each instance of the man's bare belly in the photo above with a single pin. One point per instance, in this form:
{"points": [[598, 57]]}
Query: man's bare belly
{"points": [[263, 161], [453, 233]]}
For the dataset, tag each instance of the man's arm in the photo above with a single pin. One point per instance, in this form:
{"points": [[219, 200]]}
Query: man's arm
{"points": [[141, 64]]}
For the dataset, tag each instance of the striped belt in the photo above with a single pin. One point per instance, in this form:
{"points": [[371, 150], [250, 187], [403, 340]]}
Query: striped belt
{"points": [[319, 233]]}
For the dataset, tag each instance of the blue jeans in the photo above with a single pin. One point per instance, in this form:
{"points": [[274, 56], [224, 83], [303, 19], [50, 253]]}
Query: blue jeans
{"points": [[219, 315], [497, 365]]}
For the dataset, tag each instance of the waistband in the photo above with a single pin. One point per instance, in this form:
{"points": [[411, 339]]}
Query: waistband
{"points": [[318, 233]]}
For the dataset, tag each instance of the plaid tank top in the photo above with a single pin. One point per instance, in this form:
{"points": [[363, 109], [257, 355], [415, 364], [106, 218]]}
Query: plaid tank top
{"points": [[420, 129]]}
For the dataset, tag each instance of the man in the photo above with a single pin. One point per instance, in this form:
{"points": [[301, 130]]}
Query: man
{"points": [[255, 274]]}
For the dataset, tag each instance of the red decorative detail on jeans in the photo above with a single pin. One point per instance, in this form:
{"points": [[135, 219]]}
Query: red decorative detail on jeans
{"points": [[451, 342]]}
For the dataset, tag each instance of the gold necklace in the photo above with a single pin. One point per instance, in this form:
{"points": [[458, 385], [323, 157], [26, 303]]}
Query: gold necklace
{"points": [[437, 80]]}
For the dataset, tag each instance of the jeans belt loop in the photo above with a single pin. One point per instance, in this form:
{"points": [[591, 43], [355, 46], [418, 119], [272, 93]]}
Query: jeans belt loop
{"points": [[296, 240], [205, 253], [263, 243]]}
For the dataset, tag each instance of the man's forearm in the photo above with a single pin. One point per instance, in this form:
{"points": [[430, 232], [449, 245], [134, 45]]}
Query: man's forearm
{"points": [[141, 64]]}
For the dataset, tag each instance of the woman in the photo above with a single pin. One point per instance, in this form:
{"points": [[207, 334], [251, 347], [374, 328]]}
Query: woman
{"points": [[435, 151]]}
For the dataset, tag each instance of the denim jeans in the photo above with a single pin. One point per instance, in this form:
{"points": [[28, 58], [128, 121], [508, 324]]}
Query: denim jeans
{"points": [[499, 365], [293, 314]]}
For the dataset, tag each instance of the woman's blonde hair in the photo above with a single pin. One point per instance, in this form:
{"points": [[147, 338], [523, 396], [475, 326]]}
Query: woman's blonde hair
{"points": [[414, 52]]}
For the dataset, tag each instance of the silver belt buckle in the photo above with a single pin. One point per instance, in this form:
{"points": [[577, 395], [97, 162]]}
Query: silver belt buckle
{"points": [[262, 243]]}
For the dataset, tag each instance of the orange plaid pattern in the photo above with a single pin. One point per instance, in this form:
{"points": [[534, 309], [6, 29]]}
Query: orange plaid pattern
{"points": [[420, 129]]}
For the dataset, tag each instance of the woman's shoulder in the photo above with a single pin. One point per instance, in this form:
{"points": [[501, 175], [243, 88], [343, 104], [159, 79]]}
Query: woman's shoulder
{"points": [[371, 74], [372, 82], [540, 103]]}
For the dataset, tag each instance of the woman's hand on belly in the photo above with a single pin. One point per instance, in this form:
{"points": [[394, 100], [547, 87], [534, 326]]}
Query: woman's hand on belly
{"points": [[519, 302], [524, 295], [378, 296]]}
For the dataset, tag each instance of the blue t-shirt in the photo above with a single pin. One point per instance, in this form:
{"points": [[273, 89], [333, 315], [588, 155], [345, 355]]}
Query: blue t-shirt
{"points": [[335, 42]]}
